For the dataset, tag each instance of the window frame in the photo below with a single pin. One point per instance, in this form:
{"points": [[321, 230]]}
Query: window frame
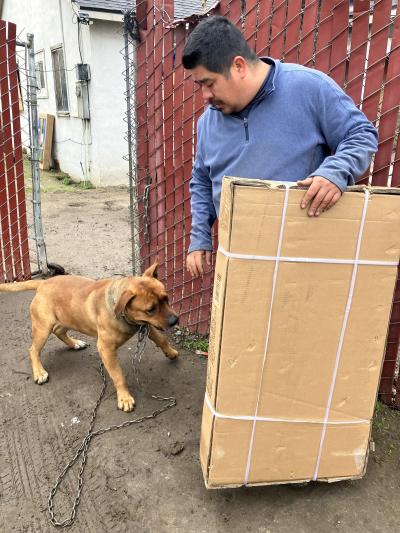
{"points": [[60, 80], [42, 90]]}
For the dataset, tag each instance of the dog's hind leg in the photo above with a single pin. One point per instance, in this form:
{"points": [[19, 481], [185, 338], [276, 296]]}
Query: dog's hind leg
{"points": [[75, 344], [161, 341], [40, 334]]}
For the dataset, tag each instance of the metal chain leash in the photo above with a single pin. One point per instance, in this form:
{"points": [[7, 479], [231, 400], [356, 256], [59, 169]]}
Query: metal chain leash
{"points": [[136, 356], [83, 449]]}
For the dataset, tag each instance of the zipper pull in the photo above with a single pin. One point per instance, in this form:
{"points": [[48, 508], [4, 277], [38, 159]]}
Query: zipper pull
{"points": [[246, 127]]}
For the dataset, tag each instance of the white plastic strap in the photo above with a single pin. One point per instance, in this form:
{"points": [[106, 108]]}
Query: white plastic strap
{"points": [[275, 276], [285, 259], [216, 414], [342, 333]]}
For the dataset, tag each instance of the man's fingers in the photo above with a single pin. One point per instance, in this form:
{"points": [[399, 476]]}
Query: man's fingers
{"points": [[315, 204], [312, 191], [195, 262], [321, 195], [305, 183], [191, 265], [335, 199], [190, 268], [325, 202], [193, 270], [195, 265], [199, 263]]}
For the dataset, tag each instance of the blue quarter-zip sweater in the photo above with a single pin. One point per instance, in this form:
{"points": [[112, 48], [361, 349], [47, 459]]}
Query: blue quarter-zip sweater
{"points": [[299, 124]]}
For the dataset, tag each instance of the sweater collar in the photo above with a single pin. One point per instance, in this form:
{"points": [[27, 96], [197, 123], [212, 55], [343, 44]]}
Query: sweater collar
{"points": [[269, 83]]}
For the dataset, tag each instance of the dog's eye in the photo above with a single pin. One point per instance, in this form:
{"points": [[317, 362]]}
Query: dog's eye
{"points": [[152, 310]]}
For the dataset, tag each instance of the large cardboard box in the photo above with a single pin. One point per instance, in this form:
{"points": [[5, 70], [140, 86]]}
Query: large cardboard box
{"points": [[299, 321]]}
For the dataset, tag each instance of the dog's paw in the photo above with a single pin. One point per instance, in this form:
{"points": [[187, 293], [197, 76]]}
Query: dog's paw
{"points": [[171, 353], [126, 403], [80, 345], [40, 376]]}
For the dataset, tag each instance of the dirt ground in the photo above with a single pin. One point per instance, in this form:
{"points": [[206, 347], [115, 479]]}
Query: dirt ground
{"points": [[144, 478]]}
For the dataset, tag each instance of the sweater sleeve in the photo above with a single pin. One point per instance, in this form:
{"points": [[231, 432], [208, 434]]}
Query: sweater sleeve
{"points": [[201, 199], [351, 137]]}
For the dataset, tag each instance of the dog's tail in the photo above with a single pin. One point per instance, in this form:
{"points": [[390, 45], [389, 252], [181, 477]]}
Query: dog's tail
{"points": [[30, 285]]}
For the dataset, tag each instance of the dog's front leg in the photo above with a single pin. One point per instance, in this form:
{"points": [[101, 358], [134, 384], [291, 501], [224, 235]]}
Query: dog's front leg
{"points": [[108, 354], [162, 342]]}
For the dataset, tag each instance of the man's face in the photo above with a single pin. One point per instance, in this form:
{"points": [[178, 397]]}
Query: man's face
{"points": [[220, 90]]}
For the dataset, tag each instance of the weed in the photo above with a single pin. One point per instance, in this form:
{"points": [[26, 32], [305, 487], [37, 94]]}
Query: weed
{"points": [[191, 341], [86, 185]]}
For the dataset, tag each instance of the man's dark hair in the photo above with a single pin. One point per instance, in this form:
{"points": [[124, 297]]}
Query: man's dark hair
{"points": [[213, 44]]}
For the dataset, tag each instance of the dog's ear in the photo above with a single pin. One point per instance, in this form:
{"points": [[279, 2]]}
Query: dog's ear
{"points": [[123, 301], [151, 272]]}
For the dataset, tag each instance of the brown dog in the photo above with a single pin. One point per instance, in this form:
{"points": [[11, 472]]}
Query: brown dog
{"points": [[110, 309]]}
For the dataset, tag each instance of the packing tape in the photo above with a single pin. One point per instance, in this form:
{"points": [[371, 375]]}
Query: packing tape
{"points": [[216, 414], [286, 259]]}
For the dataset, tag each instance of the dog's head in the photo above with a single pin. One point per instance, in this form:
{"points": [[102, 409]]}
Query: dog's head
{"points": [[145, 301]]}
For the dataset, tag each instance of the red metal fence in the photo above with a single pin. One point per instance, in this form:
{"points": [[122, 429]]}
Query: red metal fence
{"points": [[356, 42], [14, 252]]}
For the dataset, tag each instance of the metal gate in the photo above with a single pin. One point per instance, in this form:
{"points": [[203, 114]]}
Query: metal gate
{"points": [[356, 42]]}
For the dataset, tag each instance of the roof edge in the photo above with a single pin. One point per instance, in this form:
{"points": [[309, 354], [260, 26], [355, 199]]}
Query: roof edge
{"points": [[195, 17]]}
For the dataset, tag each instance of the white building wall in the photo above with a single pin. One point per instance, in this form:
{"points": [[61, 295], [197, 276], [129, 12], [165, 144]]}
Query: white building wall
{"points": [[93, 149]]}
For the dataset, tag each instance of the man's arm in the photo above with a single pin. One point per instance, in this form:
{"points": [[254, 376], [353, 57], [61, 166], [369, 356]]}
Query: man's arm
{"points": [[352, 139], [203, 214]]}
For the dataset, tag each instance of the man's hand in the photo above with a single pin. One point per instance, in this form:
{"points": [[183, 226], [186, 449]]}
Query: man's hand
{"points": [[195, 262], [321, 195]]}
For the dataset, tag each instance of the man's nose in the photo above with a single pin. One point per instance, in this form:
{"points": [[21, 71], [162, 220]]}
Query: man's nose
{"points": [[207, 94]]}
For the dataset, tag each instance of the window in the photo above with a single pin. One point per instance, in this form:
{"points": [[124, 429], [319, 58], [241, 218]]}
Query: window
{"points": [[41, 81], [40, 75], [60, 79]]}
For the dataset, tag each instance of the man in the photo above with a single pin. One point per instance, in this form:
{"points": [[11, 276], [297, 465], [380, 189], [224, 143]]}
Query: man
{"points": [[267, 120]]}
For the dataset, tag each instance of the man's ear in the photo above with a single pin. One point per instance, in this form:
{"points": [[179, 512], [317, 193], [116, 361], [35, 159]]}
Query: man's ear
{"points": [[239, 64], [151, 272], [123, 301]]}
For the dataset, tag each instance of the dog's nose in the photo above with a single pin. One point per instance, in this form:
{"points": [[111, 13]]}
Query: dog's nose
{"points": [[173, 320]]}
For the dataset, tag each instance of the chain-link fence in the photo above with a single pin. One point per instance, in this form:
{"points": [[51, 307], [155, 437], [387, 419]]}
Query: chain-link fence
{"points": [[14, 253], [356, 42], [22, 247], [131, 39]]}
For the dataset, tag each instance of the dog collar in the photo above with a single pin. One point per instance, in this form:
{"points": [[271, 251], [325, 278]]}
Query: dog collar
{"points": [[123, 318], [127, 321]]}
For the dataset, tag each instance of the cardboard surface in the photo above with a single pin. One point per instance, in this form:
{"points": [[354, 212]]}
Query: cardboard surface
{"points": [[296, 344]]}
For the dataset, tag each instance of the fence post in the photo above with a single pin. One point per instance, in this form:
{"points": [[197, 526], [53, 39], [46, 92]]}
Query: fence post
{"points": [[131, 36], [36, 199]]}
